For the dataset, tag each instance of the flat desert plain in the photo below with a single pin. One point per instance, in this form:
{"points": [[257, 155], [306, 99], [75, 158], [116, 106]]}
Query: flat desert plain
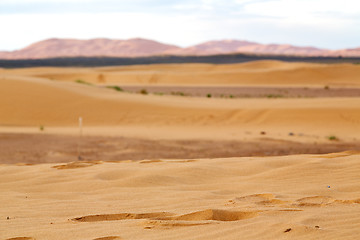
{"points": [[259, 150]]}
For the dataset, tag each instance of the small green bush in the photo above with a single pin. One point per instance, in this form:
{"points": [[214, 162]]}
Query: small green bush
{"points": [[333, 138], [208, 95], [41, 128], [82, 82], [274, 96], [178, 93], [116, 88]]}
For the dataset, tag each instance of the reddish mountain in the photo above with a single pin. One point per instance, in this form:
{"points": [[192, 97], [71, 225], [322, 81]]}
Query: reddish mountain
{"points": [[234, 46], [354, 52], [138, 47], [214, 47], [282, 50], [95, 47]]}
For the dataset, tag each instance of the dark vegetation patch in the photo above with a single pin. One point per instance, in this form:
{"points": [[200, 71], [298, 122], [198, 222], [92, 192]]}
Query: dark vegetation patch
{"points": [[83, 82], [245, 92], [116, 61], [116, 88]]}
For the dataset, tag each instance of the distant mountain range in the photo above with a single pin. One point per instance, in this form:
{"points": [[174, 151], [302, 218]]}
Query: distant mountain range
{"points": [[139, 47]]}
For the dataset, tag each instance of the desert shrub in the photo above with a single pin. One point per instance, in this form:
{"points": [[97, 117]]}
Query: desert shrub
{"points": [[333, 138], [41, 128], [143, 91], [116, 88], [178, 93], [208, 95], [326, 87], [82, 82], [274, 96]]}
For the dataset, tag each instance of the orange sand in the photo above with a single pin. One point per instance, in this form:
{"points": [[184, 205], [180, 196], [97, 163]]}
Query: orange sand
{"points": [[265, 73], [236, 198], [27, 101]]}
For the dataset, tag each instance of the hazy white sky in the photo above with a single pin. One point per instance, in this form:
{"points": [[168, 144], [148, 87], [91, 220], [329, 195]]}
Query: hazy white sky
{"points": [[322, 23]]}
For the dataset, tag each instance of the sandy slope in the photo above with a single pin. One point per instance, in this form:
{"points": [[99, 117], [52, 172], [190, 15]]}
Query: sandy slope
{"points": [[226, 198], [31, 102], [265, 73], [235, 198]]}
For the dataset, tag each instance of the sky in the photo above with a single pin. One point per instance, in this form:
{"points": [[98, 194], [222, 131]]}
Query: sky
{"points": [[331, 24]]}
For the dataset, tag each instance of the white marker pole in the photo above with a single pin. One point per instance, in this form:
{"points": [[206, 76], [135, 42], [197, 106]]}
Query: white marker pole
{"points": [[80, 137], [80, 125]]}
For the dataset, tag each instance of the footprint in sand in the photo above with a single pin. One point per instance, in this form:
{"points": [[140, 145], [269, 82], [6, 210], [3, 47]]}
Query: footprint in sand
{"points": [[315, 201], [21, 238], [269, 199], [217, 215], [321, 201], [209, 214], [121, 216], [171, 224], [256, 197], [259, 199]]}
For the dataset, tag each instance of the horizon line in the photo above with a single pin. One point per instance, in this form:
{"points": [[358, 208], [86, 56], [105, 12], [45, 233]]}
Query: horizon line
{"points": [[182, 47]]}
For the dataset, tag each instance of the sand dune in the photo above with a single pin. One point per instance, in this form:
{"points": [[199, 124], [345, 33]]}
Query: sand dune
{"points": [[293, 197], [29, 101], [264, 73], [288, 197]]}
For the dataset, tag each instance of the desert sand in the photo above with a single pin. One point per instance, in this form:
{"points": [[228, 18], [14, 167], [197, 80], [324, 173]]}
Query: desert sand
{"points": [[128, 186], [259, 73], [28, 100], [291, 197]]}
